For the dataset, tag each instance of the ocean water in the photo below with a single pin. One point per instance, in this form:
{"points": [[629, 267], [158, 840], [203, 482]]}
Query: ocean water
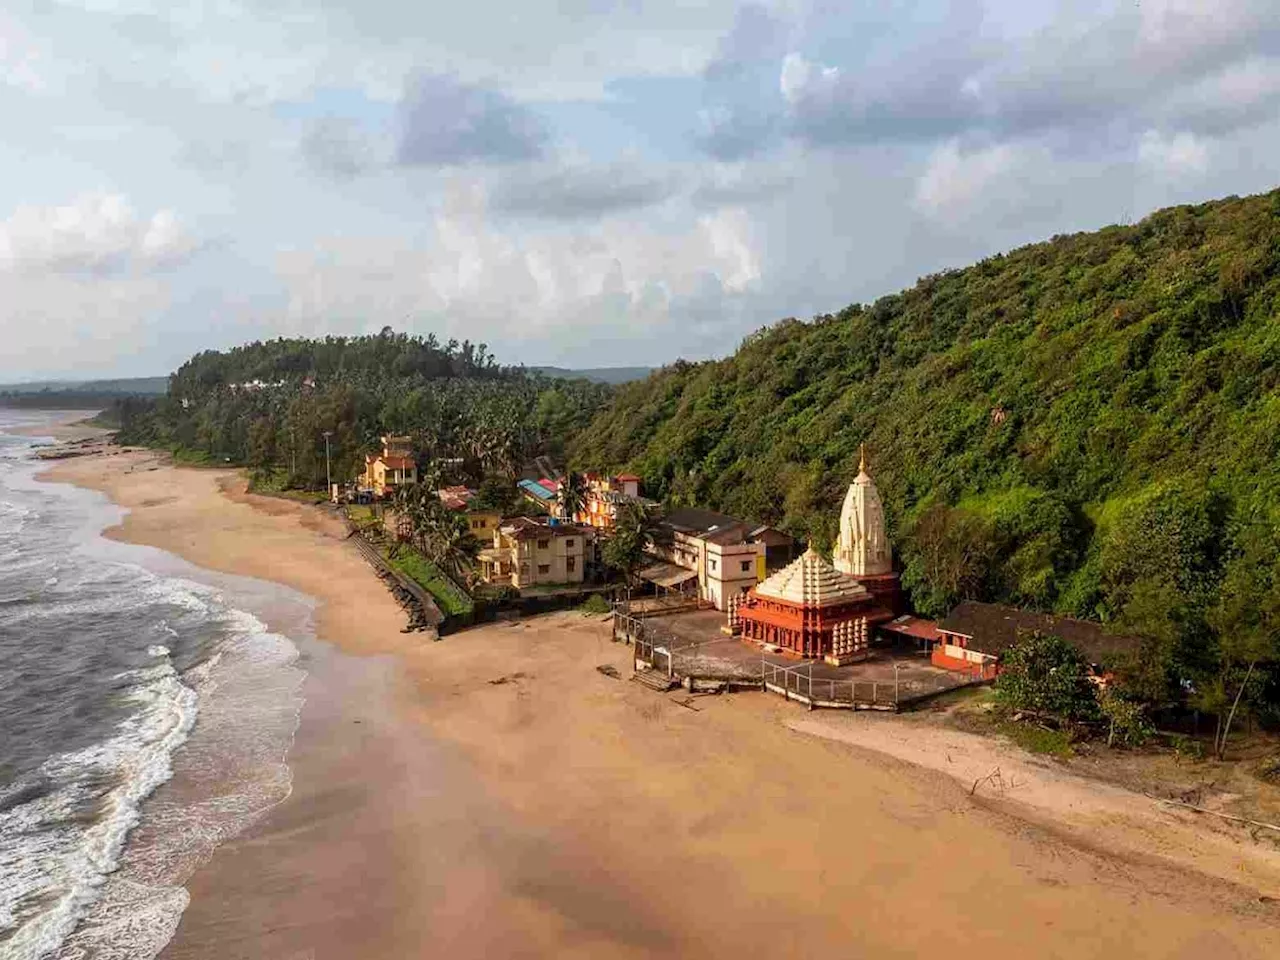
{"points": [[146, 713]]}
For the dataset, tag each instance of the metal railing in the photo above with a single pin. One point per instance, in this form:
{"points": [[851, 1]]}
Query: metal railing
{"points": [[799, 683], [679, 657]]}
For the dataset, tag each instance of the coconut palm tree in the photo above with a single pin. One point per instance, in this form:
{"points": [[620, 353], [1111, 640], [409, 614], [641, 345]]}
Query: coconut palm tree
{"points": [[573, 495]]}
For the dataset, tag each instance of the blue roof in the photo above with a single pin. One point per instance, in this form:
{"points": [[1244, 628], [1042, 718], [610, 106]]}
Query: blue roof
{"points": [[537, 489]]}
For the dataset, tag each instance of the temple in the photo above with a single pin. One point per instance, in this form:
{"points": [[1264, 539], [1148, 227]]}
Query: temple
{"points": [[863, 550], [819, 610]]}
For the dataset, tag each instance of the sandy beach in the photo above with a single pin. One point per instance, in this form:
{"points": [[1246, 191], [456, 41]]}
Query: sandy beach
{"points": [[495, 795]]}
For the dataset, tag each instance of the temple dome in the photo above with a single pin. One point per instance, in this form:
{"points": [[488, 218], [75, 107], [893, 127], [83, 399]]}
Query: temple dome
{"points": [[812, 582], [863, 549]]}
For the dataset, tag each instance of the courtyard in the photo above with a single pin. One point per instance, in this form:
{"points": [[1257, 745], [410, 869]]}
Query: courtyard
{"points": [[691, 647]]}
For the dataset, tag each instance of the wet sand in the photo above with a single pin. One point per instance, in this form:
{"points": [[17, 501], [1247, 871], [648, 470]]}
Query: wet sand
{"points": [[563, 813]]}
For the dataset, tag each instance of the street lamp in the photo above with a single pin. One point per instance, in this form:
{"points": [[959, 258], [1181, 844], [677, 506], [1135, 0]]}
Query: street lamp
{"points": [[328, 475]]}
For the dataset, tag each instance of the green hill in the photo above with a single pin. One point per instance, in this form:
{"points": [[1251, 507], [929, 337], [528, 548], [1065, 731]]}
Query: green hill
{"points": [[612, 375], [269, 404], [1089, 425]]}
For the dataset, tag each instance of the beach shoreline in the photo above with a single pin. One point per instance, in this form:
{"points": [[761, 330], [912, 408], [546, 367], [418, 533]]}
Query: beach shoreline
{"points": [[494, 794]]}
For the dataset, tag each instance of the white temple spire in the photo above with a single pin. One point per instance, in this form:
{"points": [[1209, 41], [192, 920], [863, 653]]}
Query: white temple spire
{"points": [[863, 549]]}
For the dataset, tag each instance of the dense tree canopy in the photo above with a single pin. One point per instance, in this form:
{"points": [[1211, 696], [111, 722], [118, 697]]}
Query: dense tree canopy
{"points": [[1077, 426], [268, 405]]}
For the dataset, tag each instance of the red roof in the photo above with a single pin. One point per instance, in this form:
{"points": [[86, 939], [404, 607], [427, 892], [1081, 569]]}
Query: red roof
{"points": [[627, 478], [397, 463], [910, 626]]}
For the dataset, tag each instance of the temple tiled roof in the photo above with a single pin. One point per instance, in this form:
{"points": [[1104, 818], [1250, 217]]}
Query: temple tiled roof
{"points": [[813, 582]]}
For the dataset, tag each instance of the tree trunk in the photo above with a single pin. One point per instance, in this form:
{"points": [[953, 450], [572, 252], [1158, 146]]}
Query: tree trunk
{"points": [[1226, 730]]}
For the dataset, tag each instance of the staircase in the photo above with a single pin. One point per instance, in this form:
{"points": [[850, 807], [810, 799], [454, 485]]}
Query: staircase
{"points": [[654, 680]]}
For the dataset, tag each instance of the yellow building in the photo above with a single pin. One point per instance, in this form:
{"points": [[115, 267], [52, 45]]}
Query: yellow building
{"points": [[526, 553], [392, 468], [481, 521], [604, 496]]}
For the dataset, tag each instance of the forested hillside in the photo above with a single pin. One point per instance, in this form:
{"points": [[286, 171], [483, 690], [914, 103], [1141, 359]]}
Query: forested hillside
{"points": [[267, 405], [1089, 425]]}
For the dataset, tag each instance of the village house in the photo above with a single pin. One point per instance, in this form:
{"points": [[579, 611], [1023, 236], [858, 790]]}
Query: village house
{"points": [[481, 521], [393, 467], [542, 493], [819, 610], [975, 635], [712, 555], [603, 497], [528, 553]]}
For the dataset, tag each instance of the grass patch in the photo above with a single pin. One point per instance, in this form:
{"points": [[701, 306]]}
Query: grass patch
{"points": [[422, 571], [359, 513], [275, 483], [303, 496], [191, 458], [1033, 739]]}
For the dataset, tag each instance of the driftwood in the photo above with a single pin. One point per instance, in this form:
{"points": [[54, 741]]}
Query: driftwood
{"points": [[1215, 813], [994, 777]]}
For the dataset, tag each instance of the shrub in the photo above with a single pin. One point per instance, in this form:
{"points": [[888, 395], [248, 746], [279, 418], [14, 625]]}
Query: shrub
{"points": [[1126, 720], [595, 604], [1045, 674]]}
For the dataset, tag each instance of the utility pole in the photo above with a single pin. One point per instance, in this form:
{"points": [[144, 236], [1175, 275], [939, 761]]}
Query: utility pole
{"points": [[328, 475]]}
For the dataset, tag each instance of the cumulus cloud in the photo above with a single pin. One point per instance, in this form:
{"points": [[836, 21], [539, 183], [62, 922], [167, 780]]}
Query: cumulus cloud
{"points": [[1203, 67], [445, 122], [94, 234], [953, 179], [1175, 156], [616, 280]]}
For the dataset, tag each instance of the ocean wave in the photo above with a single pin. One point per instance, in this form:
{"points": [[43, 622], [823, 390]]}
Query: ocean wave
{"points": [[57, 848], [87, 868], [235, 763]]}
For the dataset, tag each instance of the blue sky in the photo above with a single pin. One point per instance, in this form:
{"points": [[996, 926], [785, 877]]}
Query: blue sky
{"points": [[581, 182]]}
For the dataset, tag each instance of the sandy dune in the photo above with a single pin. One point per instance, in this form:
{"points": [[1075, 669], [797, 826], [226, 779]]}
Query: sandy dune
{"points": [[495, 795]]}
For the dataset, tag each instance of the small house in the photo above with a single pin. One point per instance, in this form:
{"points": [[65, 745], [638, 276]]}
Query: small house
{"points": [[530, 553], [481, 521], [392, 468], [979, 633], [721, 556]]}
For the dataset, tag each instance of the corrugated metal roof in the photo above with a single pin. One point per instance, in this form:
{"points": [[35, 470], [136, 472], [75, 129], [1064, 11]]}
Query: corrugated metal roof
{"points": [[667, 574]]}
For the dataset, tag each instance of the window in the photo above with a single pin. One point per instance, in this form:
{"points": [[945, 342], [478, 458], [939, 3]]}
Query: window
{"points": [[713, 564], [544, 569], [543, 544], [746, 566], [571, 564], [569, 543]]}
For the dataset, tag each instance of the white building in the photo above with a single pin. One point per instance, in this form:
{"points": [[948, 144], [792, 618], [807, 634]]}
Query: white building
{"points": [[722, 556]]}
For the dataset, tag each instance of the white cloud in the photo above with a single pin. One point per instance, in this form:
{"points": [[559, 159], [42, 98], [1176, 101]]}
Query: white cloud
{"points": [[1174, 156], [55, 323], [953, 181], [612, 280], [97, 233], [802, 80]]}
